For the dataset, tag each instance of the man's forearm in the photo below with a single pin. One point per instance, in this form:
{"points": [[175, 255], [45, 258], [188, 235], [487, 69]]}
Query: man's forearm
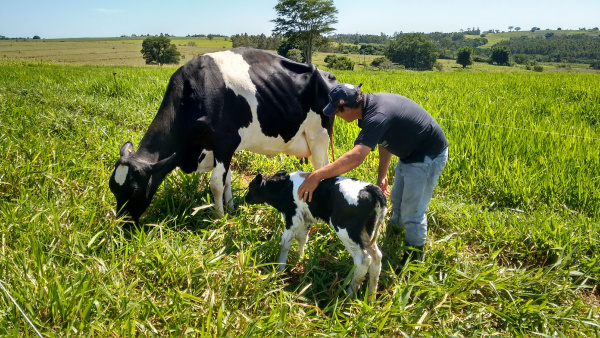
{"points": [[385, 157], [344, 163]]}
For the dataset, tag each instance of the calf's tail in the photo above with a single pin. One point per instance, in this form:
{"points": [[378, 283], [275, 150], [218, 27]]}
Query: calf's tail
{"points": [[381, 211]]}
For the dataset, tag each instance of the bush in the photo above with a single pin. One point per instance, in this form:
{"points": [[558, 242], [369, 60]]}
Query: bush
{"points": [[339, 62], [382, 63], [377, 62], [521, 59], [538, 68], [295, 55], [191, 44], [478, 58], [595, 65]]}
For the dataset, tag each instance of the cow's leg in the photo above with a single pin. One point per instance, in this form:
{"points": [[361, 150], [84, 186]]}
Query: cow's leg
{"points": [[286, 242], [220, 181], [217, 186], [228, 192], [318, 144]]}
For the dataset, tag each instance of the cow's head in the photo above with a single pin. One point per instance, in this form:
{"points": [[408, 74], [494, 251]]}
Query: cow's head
{"points": [[134, 182], [329, 79], [326, 82]]}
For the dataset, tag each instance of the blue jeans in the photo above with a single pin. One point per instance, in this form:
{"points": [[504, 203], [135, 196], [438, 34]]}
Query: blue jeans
{"points": [[411, 194]]}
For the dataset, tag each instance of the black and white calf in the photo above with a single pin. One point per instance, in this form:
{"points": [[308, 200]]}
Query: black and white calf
{"points": [[355, 209], [220, 103]]}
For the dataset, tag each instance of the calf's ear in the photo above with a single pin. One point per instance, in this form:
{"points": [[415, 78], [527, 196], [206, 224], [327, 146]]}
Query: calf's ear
{"points": [[281, 173], [127, 150]]}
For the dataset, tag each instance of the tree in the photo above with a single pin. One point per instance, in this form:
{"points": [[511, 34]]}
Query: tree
{"points": [[500, 55], [412, 50], [465, 56], [303, 22], [159, 50]]}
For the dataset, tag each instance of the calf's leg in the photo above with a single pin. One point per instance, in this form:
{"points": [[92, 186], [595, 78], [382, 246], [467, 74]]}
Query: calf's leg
{"points": [[286, 242], [362, 261], [301, 237], [374, 269]]}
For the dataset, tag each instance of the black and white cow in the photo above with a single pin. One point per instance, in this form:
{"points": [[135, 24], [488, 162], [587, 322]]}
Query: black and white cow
{"points": [[220, 103], [355, 209]]}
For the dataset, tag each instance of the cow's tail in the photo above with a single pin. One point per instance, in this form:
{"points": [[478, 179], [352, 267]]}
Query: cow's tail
{"points": [[331, 143]]}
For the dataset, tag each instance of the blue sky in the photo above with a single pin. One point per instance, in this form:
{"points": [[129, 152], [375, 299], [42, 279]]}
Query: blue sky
{"points": [[110, 18]]}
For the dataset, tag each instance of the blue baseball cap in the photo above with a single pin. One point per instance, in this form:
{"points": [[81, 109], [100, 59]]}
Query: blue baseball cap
{"points": [[341, 95]]}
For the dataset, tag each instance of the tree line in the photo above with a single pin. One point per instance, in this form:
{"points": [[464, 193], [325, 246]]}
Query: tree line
{"points": [[577, 48], [256, 41]]}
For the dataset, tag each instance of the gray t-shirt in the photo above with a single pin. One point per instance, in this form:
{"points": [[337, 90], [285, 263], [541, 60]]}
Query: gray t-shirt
{"points": [[401, 126]]}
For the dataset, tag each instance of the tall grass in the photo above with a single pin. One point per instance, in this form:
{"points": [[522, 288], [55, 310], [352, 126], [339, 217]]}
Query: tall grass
{"points": [[513, 245]]}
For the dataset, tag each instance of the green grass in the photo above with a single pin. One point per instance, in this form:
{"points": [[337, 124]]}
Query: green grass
{"points": [[513, 228], [101, 51]]}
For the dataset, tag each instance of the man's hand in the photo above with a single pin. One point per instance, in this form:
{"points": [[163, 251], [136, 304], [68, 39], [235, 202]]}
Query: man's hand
{"points": [[343, 164], [306, 189], [384, 186]]}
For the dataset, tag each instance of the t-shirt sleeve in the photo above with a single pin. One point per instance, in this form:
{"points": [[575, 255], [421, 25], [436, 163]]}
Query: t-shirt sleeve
{"points": [[372, 131]]}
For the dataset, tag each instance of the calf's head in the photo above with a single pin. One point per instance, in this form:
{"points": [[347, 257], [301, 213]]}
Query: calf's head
{"points": [[134, 182], [264, 189]]}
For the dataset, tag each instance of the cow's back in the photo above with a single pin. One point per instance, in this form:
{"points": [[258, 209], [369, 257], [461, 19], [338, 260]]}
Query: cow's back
{"points": [[267, 100]]}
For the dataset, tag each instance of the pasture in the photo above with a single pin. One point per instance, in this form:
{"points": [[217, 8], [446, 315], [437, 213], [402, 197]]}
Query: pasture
{"points": [[126, 52], [513, 245], [102, 51]]}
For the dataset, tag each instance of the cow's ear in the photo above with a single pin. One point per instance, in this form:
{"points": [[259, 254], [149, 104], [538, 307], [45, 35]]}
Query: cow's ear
{"points": [[281, 173], [164, 166], [127, 150], [257, 179]]}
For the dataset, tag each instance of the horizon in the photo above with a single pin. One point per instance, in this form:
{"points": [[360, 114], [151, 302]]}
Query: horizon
{"points": [[112, 18], [229, 36]]}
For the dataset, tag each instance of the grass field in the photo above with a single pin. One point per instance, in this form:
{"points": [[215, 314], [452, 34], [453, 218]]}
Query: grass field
{"points": [[102, 51], [513, 247], [126, 52]]}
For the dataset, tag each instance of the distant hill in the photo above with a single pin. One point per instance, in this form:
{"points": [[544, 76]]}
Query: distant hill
{"points": [[550, 45], [494, 38]]}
